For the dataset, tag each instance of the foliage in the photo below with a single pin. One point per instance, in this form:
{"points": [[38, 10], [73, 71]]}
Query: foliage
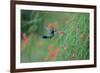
{"points": [[73, 45]]}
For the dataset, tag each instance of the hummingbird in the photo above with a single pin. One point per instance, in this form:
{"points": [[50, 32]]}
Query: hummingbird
{"points": [[51, 32]]}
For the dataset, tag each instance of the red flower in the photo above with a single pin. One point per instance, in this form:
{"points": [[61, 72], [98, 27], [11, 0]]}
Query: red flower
{"points": [[53, 54], [25, 39], [62, 33]]}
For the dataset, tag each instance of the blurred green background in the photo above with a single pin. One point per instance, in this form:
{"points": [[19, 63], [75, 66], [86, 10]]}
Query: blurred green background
{"points": [[73, 45]]}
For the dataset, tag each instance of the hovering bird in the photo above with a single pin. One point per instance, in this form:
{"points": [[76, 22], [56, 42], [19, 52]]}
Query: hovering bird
{"points": [[51, 32]]}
